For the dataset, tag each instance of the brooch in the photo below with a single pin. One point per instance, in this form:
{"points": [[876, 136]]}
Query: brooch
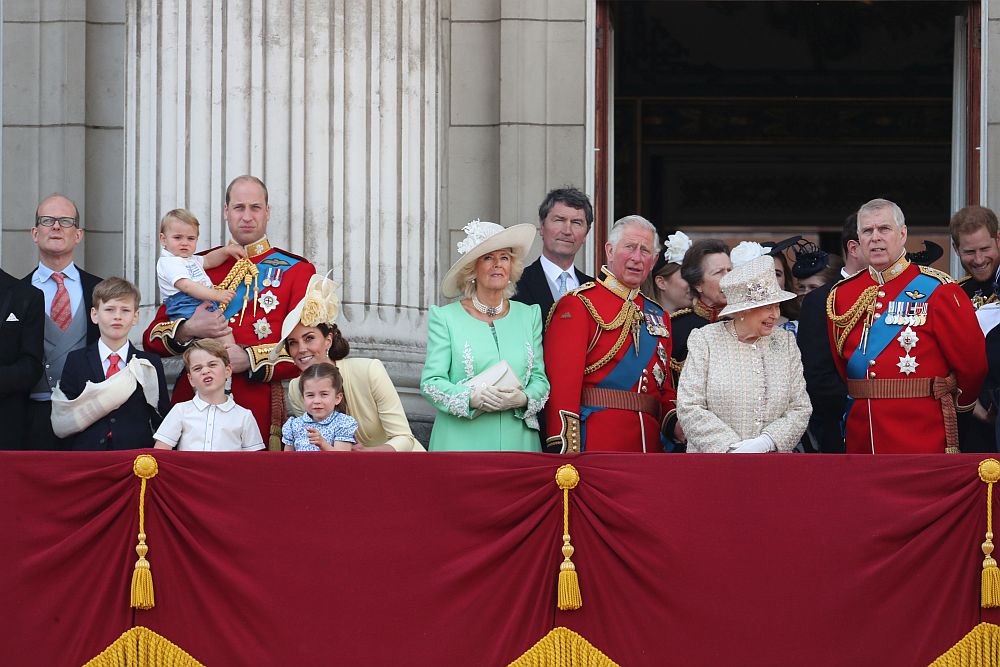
{"points": [[262, 328], [267, 301]]}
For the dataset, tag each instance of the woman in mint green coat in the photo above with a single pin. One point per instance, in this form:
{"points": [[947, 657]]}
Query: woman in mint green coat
{"points": [[472, 336]]}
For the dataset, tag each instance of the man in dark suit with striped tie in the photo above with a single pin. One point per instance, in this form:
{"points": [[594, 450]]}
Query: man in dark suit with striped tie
{"points": [[67, 292]]}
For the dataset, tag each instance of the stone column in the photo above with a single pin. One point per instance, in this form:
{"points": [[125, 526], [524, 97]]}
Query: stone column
{"points": [[519, 110], [334, 105], [63, 94]]}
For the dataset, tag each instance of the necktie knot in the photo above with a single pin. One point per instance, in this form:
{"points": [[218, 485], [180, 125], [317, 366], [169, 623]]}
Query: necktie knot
{"points": [[113, 367], [59, 278]]}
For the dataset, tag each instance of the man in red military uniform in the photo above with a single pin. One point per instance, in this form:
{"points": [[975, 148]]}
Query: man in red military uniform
{"points": [[607, 354], [907, 341], [267, 287]]}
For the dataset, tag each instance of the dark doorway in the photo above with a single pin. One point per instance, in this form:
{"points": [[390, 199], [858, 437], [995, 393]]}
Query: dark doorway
{"points": [[764, 116]]}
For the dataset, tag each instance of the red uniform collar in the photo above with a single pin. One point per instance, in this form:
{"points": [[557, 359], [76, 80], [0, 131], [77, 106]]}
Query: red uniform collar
{"points": [[894, 270], [702, 309], [613, 285]]}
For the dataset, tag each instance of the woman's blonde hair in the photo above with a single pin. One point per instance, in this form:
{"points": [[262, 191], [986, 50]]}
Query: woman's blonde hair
{"points": [[466, 277]]}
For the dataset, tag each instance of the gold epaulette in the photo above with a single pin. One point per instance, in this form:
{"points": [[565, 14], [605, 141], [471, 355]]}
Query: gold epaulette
{"points": [[676, 365], [937, 274], [585, 286], [963, 280], [652, 301], [678, 313]]}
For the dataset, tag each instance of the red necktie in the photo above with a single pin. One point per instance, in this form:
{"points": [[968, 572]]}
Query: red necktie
{"points": [[113, 360], [60, 312]]}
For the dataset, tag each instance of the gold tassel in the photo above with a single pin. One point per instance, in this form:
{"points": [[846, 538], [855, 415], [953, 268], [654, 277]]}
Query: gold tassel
{"points": [[562, 648], [567, 478], [142, 646], [989, 472], [980, 647], [142, 577]]}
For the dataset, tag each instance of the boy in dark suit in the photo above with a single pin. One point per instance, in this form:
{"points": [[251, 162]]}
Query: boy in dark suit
{"points": [[130, 425]]}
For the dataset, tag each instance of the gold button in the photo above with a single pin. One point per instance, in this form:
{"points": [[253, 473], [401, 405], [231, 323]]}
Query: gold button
{"points": [[878, 305], [871, 362], [878, 315], [871, 374], [232, 319], [881, 294]]}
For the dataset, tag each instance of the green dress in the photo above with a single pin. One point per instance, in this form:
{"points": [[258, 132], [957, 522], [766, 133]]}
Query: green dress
{"points": [[458, 347]]}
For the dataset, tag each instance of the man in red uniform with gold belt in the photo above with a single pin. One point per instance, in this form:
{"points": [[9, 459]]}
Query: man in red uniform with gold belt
{"points": [[906, 339], [607, 354], [268, 283]]}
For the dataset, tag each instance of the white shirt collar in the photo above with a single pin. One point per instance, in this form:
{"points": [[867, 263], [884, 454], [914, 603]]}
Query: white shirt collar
{"points": [[202, 405], [106, 351], [44, 273], [553, 271]]}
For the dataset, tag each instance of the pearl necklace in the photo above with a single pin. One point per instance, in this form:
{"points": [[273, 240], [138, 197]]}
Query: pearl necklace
{"points": [[752, 339], [489, 311]]}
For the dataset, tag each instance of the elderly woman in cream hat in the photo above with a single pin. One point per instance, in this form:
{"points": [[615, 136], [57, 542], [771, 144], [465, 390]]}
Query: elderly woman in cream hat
{"points": [[484, 371], [310, 336], [742, 389]]}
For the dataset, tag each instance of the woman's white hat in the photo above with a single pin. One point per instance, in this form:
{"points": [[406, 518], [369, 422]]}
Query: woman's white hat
{"points": [[482, 237], [750, 285], [319, 305]]}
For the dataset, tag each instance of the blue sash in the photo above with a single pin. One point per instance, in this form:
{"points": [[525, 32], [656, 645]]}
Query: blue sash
{"points": [[881, 334], [623, 376], [236, 305]]}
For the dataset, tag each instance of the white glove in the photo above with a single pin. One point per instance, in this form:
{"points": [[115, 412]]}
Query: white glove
{"points": [[759, 445], [485, 398], [512, 398]]}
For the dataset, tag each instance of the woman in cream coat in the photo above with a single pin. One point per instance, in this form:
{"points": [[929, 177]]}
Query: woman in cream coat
{"points": [[742, 389], [310, 337]]}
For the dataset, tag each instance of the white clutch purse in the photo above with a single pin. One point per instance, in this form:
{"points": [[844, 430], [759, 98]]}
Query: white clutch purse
{"points": [[499, 375]]}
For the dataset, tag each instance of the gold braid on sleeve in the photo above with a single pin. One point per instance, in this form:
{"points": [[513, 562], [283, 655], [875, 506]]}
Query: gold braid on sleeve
{"points": [[844, 324]]}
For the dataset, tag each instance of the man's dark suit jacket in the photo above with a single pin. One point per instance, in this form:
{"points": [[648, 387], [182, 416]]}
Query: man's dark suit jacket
{"points": [[827, 390], [21, 333], [534, 288], [129, 427], [88, 281]]}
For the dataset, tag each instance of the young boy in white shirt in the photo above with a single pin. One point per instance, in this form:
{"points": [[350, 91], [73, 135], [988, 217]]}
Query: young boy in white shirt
{"points": [[211, 421]]}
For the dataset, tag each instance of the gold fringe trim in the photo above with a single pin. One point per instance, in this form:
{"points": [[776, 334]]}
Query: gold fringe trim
{"points": [[989, 472], [563, 648], [979, 648], [567, 478], [141, 647], [142, 597]]}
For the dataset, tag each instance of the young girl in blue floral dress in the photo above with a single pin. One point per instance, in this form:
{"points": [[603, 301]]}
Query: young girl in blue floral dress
{"points": [[322, 427]]}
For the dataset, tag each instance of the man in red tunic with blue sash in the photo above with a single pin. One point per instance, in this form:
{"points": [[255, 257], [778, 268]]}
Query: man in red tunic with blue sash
{"points": [[906, 339], [268, 284], [607, 354]]}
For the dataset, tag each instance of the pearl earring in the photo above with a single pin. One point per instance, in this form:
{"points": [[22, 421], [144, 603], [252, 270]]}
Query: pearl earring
{"points": [[742, 318]]}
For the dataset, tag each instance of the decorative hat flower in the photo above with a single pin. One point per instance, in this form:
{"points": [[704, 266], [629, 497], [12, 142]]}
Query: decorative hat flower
{"points": [[476, 232], [321, 304], [677, 244], [745, 252]]}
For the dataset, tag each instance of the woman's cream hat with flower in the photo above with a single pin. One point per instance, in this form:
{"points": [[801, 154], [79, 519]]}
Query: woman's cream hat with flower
{"points": [[750, 285], [319, 305], [482, 237]]}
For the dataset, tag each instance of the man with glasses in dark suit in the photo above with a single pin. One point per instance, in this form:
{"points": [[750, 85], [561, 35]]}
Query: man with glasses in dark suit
{"points": [[67, 292]]}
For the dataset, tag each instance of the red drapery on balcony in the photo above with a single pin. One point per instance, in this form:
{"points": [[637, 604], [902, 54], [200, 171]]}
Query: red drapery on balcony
{"points": [[452, 559]]}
